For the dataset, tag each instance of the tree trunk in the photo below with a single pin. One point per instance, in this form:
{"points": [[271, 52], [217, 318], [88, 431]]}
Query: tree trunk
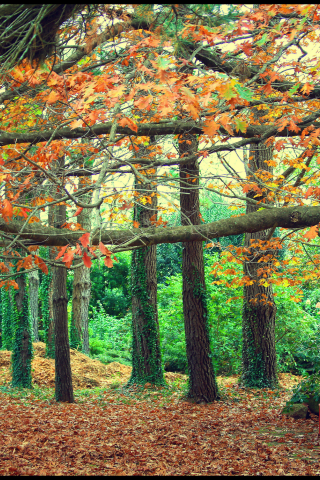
{"points": [[33, 302], [146, 356], [202, 383], [22, 341], [80, 308], [47, 302], [7, 320], [79, 332], [259, 309], [63, 378]]}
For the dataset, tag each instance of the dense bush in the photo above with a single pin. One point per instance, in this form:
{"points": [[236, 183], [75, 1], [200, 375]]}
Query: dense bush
{"points": [[110, 337], [297, 335], [297, 331]]}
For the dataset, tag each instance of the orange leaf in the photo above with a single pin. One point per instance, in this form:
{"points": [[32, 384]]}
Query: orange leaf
{"points": [[143, 103], [68, 257], [53, 97], [78, 250], [309, 192], [78, 212], [86, 260], [85, 239], [43, 267], [27, 262], [136, 224], [211, 128], [127, 122], [76, 124], [104, 250], [307, 88], [312, 232], [62, 251], [108, 262], [7, 210]]}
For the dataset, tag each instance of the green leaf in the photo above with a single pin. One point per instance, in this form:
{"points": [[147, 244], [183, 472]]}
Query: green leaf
{"points": [[262, 40], [294, 89], [163, 63], [244, 92], [229, 92], [241, 125]]}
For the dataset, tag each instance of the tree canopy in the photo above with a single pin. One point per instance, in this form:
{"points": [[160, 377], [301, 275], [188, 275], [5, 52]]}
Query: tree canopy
{"points": [[113, 90]]}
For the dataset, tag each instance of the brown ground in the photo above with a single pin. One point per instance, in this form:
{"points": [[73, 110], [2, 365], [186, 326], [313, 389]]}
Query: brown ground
{"points": [[86, 372]]}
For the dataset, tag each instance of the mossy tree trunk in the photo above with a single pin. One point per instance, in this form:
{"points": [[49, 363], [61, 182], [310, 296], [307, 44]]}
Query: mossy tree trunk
{"points": [[47, 292], [7, 320], [22, 339], [202, 383], [146, 356], [34, 302], [259, 309]]}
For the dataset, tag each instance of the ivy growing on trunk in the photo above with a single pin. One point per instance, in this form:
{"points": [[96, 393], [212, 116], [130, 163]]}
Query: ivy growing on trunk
{"points": [[44, 292], [22, 337], [7, 324]]}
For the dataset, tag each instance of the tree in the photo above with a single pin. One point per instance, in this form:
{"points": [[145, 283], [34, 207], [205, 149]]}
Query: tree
{"points": [[79, 334], [22, 337], [146, 355], [202, 383], [63, 376], [33, 302], [259, 309]]}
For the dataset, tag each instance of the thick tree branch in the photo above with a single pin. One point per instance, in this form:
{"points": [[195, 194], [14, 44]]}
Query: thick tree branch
{"points": [[293, 217], [254, 133]]}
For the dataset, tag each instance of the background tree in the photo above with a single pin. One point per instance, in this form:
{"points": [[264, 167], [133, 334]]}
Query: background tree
{"points": [[22, 337], [146, 356]]}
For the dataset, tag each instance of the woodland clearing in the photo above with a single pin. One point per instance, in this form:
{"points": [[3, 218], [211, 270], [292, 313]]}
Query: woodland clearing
{"points": [[148, 431]]}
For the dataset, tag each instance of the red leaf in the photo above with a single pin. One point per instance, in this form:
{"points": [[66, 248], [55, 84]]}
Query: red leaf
{"points": [[85, 239], [68, 257], [78, 250], [309, 192], [62, 251], [78, 212], [92, 252], [43, 267], [104, 250], [108, 262], [86, 260]]}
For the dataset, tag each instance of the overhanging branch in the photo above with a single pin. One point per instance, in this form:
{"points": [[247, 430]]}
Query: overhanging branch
{"points": [[292, 217]]}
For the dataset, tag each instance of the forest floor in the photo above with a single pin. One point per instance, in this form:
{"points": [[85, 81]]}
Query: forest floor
{"points": [[111, 430]]}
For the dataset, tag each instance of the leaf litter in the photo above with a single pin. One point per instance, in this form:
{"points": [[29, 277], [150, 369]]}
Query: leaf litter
{"points": [[111, 430]]}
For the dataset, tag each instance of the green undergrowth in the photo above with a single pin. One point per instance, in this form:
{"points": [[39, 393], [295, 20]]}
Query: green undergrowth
{"points": [[119, 393]]}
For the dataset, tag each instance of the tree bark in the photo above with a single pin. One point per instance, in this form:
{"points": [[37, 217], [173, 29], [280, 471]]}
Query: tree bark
{"points": [[63, 376], [33, 302], [22, 341], [146, 356], [202, 383], [259, 309], [79, 330], [47, 304]]}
